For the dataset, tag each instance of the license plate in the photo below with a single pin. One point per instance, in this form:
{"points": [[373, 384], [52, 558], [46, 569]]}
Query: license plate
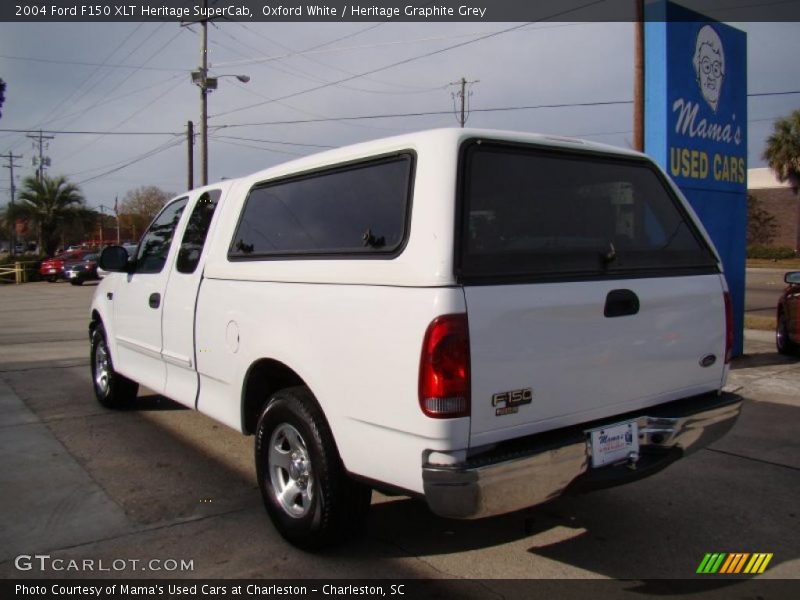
{"points": [[51, 270], [614, 443]]}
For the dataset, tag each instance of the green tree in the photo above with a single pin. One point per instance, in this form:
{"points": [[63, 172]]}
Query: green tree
{"points": [[49, 204], [783, 149]]}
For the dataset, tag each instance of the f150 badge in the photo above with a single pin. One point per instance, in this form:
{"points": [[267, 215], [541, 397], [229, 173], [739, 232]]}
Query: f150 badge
{"points": [[508, 403]]}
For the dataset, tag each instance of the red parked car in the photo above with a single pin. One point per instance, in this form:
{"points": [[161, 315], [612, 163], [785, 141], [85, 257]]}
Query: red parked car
{"points": [[787, 332], [52, 269]]}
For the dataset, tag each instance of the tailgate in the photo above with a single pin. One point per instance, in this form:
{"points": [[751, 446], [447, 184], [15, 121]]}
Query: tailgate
{"points": [[555, 340], [590, 288]]}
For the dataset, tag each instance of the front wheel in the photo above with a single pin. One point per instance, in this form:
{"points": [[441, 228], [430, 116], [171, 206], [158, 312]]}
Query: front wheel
{"points": [[111, 389], [307, 493], [782, 342]]}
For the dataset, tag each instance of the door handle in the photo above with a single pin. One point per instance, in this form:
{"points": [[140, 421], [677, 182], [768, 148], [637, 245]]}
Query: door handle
{"points": [[621, 303], [154, 300]]}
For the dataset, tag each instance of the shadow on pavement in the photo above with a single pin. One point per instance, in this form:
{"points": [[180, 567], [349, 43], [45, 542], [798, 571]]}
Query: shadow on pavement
{"points": [[152, 402], [763, 359], [189, 488]]}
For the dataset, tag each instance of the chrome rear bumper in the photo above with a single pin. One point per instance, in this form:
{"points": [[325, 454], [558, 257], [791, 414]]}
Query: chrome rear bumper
{"points": [[538, 469]]}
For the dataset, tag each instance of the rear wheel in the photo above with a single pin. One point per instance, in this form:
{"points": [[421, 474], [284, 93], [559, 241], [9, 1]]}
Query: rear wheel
{"points": [[782, 342], [111, 389], [76, 281], [306, 491]]}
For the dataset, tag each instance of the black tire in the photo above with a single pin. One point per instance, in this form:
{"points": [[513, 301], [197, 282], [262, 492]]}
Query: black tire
{"points": [[321, 506], [783, 344], [76, 281], [111, 389], [52, 279]]}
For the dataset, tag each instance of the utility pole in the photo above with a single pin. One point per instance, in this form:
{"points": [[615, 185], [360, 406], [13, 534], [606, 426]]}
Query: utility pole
{"points": [[190, 145], [463, 95], [116, 214], [12, 222], [206, 84], [44, 161], [102, 208], [204, 101], [638, 78], [100, 227]]}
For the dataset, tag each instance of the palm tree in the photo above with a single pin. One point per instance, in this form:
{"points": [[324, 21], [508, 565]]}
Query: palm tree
{"points": [[49, 203], [783, 149]]}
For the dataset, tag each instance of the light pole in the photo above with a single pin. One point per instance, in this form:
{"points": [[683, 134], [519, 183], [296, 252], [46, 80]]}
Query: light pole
{"points": [[201, 79]]}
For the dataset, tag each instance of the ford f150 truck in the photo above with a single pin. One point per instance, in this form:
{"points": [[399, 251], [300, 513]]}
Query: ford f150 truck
{"points": [[481, 319]]}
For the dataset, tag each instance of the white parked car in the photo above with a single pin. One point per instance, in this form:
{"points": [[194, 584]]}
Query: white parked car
{"points": [[481, 319]]}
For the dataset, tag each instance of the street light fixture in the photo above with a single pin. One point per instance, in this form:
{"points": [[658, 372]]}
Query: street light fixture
{"points": [[201, 79]]}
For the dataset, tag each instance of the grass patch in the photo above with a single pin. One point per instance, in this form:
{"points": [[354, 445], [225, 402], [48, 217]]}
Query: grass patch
{"points": [[787, 264], [762, 322]]}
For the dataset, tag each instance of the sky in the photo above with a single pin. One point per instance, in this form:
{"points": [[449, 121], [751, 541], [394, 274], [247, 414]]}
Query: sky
{"points": [[134, 78]]}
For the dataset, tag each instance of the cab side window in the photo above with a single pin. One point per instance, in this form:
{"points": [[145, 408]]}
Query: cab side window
{"points": [[194, 238], [154, 247]]}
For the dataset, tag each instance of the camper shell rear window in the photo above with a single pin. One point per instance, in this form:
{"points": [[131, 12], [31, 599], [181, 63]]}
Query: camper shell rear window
{"points": [[530, 213]]}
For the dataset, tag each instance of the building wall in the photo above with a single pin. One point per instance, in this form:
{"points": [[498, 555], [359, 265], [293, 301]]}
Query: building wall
{"points": [[783, 204], [778, 199]]}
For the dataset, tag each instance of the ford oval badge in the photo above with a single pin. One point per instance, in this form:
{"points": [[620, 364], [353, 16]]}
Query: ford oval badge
{"points": [[708, 360]]}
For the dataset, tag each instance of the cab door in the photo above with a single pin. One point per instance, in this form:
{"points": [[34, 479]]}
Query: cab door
{"points": [[178, 347], [138, 301]]}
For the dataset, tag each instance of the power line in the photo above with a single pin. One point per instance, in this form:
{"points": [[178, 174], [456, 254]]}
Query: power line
{"points": [[411, 59], [59, 108], [91, 64], [136, 160], [288, 152], [105, 100], [244, 139], [492, 109], [364, 117], [404, 42], [425, 113], [94, 132], [759, 94], [116, 163], [129, 117], [409, 89]]}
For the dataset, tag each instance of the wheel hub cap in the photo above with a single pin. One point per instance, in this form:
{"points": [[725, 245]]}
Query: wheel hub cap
{"points": [[101, 368], [290, 471]]}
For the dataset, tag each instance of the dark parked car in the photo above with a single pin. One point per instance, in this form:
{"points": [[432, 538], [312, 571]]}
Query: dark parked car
{"points": [[85, 269], [787, 333]]}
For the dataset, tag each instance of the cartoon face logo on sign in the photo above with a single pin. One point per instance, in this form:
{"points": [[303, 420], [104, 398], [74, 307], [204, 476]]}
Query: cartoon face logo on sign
{"points": [[709, 65]]}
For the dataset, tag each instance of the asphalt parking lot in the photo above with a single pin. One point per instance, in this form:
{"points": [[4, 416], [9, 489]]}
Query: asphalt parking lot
{"points": [[159, 482]]}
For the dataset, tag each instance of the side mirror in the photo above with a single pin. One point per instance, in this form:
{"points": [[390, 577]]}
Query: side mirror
{"points": [[114, 259], [792, 277]]}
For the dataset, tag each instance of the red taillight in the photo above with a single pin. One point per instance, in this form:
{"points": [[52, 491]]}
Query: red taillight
{"points": [[444, 368], [728, 328]]}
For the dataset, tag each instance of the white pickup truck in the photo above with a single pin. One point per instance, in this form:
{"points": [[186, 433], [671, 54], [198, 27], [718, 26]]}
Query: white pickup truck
{"points": [[482, 319]]}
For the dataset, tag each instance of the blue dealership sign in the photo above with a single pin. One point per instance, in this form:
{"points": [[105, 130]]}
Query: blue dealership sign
{"points": [[696, 126], [708, 109]]}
